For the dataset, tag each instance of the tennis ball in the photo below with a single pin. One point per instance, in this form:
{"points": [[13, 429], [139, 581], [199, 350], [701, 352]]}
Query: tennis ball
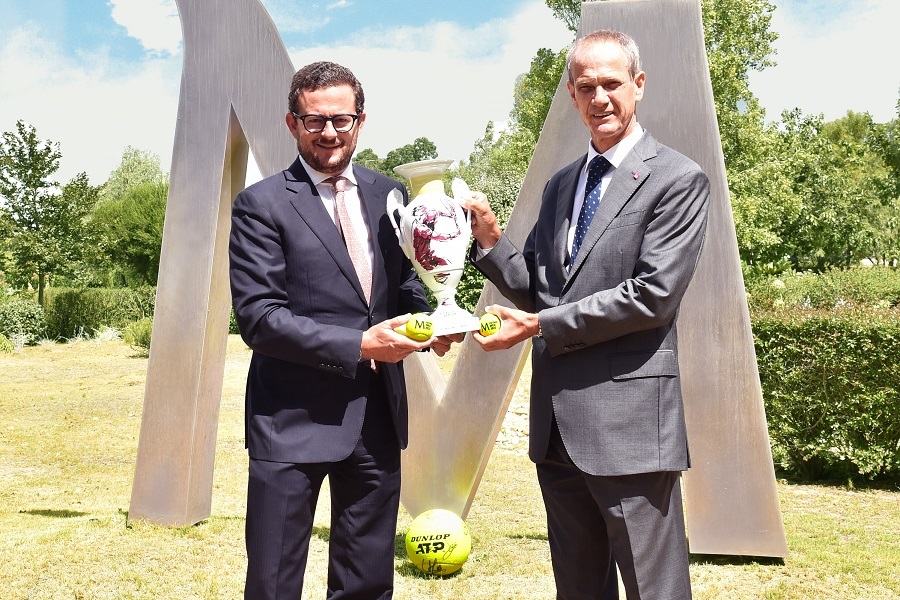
{"points": [[420, 327], [438, 542], [490, 324]]}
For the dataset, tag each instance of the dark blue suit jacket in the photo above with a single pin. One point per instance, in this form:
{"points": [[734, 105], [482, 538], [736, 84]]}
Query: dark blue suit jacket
{"points": [[300, 308]]}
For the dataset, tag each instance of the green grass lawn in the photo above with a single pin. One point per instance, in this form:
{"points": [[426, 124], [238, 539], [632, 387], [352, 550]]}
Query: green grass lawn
{"points": [[69, 421]]}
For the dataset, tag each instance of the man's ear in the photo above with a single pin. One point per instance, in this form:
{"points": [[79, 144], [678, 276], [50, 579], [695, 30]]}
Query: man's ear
{"points": [[639, 81], [291, 123]]}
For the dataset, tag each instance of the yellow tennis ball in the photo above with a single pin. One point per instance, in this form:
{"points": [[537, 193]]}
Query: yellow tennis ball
{"points": [[490, 324], [420, 327], [438, 542]]}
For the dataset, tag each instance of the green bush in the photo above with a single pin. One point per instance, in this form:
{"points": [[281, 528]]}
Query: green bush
{"points": [[868, 286], [6, 346], [138, 333], [22, 318], [829, 381], [71, 312]]}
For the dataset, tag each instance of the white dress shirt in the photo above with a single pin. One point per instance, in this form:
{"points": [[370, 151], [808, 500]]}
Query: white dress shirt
{"points": [[352, 199], [615, 156]]}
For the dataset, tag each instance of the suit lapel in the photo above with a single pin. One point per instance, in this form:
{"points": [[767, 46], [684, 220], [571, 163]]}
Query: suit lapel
{"points": [[626, 180], [564, 207], [306, 201]]}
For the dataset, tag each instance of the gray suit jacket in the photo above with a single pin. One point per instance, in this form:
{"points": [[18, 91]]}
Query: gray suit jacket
{"points": [[300, 307], [607, 365]]}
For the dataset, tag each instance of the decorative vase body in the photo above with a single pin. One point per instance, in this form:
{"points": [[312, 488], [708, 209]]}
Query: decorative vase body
{"points": [[434, 233]]}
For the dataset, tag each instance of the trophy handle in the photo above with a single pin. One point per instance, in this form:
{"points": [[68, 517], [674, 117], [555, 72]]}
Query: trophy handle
{"points": [[460, 190], [394, 208]]}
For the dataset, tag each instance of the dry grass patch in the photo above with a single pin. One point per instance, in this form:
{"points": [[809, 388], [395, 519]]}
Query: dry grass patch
{"points": [[69, 421]]}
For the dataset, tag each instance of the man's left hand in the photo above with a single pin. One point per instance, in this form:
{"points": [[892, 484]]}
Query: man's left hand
{"points": [[516, 326], [441, 344]]}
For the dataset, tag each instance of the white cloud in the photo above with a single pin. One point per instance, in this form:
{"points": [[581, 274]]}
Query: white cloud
{"points": [[292, 18], [154, 23], [441, 81], [849, 65], [87, 104]]}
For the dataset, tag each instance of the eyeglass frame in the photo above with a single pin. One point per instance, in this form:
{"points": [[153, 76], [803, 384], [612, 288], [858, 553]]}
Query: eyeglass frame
{"points": [[327, 120]]}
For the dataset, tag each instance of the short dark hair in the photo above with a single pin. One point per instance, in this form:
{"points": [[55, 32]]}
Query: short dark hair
{"points": [[625, 41], [324, 74]]}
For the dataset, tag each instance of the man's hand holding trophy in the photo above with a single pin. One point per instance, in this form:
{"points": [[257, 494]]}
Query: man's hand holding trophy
{"points": [[434, 232]]}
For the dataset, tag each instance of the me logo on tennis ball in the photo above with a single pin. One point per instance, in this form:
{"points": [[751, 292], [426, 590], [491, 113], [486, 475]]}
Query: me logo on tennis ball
{"points": [[489, 324], [438, 542], [420, 327]]}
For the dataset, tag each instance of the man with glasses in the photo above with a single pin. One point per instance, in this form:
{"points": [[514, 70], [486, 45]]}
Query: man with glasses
{"points": [[319, 283]]}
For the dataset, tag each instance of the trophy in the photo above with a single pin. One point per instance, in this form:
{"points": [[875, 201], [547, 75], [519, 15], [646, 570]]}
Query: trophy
{"points": [[434, 233]]}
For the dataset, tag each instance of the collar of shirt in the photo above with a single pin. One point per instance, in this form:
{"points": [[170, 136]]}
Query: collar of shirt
{"points": [[318, 177], [352, 200], [615, 156], [617, 153]]}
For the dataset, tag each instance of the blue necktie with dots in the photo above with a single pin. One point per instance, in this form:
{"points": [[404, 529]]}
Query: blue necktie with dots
{"points": [[596, 170]]}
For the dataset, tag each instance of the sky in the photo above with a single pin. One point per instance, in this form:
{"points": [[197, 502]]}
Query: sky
{"points": [[97, 76]]}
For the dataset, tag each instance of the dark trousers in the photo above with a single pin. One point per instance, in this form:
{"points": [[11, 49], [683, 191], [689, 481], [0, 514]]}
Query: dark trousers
{"points": [[595, 523], [365, 499]]}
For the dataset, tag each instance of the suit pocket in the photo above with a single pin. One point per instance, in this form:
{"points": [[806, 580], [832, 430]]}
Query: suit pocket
{"points": [[626, 219], [636, 365]]}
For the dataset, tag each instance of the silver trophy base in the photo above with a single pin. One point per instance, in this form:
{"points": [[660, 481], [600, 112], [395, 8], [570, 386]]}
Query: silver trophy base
{"points": [[450, 318]]}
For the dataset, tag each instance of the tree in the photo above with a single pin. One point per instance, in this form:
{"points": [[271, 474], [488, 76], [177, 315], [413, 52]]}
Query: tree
{"points": [[421, 149], [136, 167], [46, 228], [535, 90], [129, 229]]}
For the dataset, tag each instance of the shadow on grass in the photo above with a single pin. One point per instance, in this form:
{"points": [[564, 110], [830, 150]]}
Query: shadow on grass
{"points": [[735, 561], [884, 484], [55, 514], [536, 537]]}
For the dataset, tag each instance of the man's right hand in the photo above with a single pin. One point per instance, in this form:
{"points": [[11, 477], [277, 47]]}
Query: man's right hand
{"points": [[485, 228], [380, 342]]}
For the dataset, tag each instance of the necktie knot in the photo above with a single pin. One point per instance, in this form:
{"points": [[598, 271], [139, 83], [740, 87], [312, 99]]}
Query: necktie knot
{"points": [[596, 170], [338, 182]]}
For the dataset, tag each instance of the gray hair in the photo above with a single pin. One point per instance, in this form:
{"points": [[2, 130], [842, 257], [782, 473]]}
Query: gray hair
{"points": [[605, 36]]}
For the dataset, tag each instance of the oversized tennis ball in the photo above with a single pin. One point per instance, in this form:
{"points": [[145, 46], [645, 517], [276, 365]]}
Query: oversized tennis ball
{"points": [[438, 542], [420, 327], [490, 324]]}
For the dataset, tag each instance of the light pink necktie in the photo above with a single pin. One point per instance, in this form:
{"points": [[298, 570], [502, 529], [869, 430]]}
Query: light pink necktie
{"points": [[357, 249]]}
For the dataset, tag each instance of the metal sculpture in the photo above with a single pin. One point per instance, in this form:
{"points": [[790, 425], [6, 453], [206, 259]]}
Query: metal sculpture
{"points": [[236, 73]]}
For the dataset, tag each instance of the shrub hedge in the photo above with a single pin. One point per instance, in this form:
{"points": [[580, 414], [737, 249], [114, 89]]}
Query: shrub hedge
{"points": [[828, 349], [870, 286], [72, 312], [22, 319]]}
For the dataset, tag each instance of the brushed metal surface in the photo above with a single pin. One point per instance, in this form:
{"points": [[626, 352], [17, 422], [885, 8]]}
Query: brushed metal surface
{"points": [[234, 87]]}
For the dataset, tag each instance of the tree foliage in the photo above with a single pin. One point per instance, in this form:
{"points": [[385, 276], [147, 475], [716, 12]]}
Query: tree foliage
{"points": [[535, 90], [136, 167], [421, 149], [129, 230], [45, 227]]}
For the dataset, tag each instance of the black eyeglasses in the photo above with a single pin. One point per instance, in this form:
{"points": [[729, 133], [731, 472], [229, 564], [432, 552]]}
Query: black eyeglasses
{"points": [[316, 123]]}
